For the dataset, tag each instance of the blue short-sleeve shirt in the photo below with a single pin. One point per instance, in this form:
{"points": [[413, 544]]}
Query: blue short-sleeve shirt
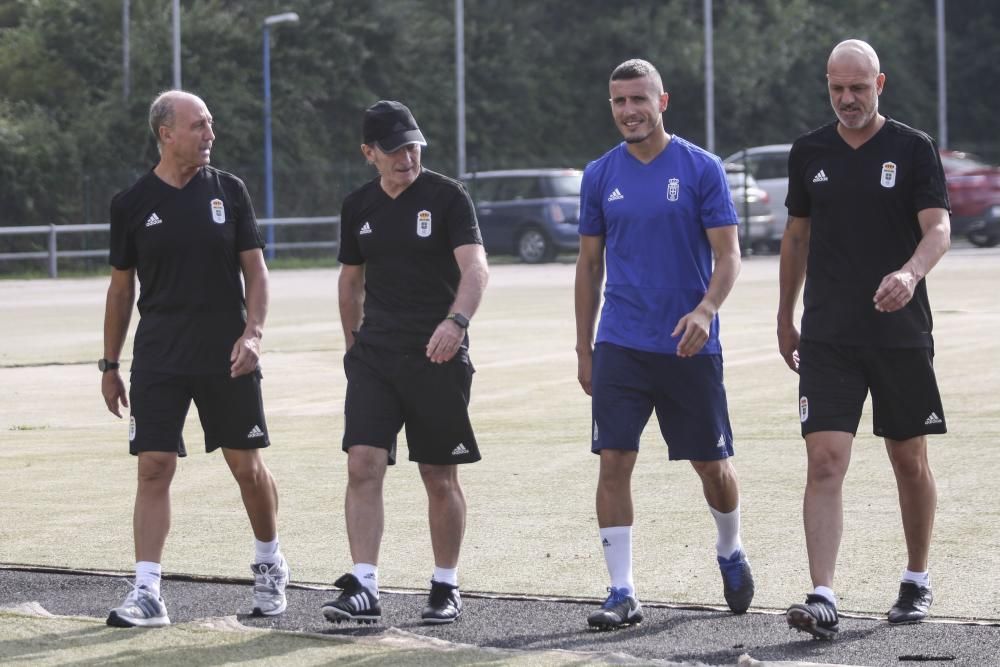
{"points": [[659, 260]]}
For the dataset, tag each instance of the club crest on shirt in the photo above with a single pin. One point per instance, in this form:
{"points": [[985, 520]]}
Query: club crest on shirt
{"points": [[888, 174], [218, 211], [673, 189], [424, 224]]}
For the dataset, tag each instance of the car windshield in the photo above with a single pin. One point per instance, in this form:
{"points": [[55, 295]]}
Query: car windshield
{"points": [[566, 185]]}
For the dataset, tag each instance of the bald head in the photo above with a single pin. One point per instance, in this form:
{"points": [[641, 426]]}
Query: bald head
{"points": [[164, 108], [854, 54], [855, 82]]}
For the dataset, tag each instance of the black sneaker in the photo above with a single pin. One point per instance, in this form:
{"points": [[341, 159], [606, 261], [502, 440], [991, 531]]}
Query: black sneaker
{"points": [[356, 603], [444, 604], [619, 610], [912, 604], [818, 616], [737, 581]]}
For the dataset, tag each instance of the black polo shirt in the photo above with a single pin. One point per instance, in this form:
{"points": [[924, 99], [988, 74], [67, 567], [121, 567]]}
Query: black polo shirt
{"points": [[862, 204], [184, 245], [407, 246]]}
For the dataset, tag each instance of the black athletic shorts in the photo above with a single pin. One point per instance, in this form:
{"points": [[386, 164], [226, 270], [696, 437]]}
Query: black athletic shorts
{"points": [[387, 388], [231, 411], [834, 381]]}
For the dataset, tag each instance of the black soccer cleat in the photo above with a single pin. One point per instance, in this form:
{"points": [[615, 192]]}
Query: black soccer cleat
{"points": [[443, 606], [618, 611], [912, 604], [818, 616], [356, 603], [737, 581]]}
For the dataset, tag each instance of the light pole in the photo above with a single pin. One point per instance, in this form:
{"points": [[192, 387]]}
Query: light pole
{"points": [[287, 17]]}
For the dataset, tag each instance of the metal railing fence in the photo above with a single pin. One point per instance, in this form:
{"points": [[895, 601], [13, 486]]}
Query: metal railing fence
{"points": [[52, 254]]}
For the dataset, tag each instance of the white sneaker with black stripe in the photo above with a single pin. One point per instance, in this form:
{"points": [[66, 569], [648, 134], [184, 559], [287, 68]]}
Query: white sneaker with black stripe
{"points": [[269, 583], [356, 603], [142, 608]]}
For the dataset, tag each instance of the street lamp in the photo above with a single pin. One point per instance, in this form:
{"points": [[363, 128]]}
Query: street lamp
{"points": [[287, 17]]}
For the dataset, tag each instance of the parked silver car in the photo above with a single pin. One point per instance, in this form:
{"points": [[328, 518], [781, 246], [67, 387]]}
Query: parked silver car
{"points": [[531, 213], [759, 230], [769, 166]]}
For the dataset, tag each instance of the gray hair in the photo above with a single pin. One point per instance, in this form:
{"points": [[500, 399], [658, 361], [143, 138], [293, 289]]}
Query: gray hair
{"points": [[161, 111]]}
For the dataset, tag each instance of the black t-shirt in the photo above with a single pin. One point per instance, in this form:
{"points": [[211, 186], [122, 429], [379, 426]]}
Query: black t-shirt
{"points": [[184, 245], [407, 246], [863, 205]]}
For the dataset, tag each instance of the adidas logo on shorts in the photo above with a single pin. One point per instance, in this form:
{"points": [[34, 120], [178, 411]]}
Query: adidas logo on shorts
{"points": [[932, 418], [461, 449], [255, 432]]}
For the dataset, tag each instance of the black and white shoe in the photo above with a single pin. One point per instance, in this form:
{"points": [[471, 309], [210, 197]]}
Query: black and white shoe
{"points": [[443, 606], [356, 603], [912, 605], [619, 610], [818, 616]]}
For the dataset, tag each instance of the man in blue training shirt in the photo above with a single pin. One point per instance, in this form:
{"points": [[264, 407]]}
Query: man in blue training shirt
{"points": [[657, 210]]}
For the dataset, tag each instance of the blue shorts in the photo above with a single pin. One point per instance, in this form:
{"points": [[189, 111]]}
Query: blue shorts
{"points": [[687, 394]]}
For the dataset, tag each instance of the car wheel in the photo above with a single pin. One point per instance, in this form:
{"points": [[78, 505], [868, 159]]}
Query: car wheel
{"points": [[984, 239], [533, 246]]}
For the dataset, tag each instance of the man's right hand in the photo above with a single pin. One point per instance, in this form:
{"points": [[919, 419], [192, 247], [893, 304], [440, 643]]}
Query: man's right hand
{"points": [[788, 345], [113, 389], [585, 368]]}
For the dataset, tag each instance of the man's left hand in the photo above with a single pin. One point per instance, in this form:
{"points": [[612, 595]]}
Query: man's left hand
{"points": [[693, 329], [245, 355], [445, 341], [895, 291]]}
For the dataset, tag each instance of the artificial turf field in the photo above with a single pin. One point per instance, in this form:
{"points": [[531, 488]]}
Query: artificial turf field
{"points": [[67, 484]]}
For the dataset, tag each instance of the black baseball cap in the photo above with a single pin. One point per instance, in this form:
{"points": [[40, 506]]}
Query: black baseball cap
{"points": [[391, 125]]}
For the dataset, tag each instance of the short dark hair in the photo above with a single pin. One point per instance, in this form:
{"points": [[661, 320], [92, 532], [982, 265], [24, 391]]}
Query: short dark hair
{"points": [[636, 69]]}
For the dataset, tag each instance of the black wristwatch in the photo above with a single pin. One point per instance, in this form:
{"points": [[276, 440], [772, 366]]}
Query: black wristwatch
{"points": [[459, 319], [104, 365]]}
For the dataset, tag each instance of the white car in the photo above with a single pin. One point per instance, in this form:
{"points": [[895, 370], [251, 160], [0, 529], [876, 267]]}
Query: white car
{"points": [[769, 166]]}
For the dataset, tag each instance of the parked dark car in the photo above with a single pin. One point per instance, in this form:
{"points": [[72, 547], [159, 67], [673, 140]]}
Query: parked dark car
{"points": [[762, 233], [974, 191], [531, 213]]}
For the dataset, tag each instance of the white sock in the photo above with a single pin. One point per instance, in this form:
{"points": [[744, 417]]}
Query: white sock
{"points": [[367, 574], [267, 552], [445, 575], [617, 541], [827, 593], [918, 578], [728, 525], [148, 574]]}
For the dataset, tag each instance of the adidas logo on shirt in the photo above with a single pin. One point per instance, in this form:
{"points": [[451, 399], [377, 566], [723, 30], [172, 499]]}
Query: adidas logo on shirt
{"points": [[255, 432], [820, 177], [932, 418], [616, 195], [153, 220], [365, 228], [461, 449]]}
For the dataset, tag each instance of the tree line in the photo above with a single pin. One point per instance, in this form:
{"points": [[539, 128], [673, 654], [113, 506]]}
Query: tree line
{"points": [[536, 83]]}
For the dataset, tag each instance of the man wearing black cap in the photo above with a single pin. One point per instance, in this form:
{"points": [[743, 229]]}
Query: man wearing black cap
{"points": [[412, 274]]}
